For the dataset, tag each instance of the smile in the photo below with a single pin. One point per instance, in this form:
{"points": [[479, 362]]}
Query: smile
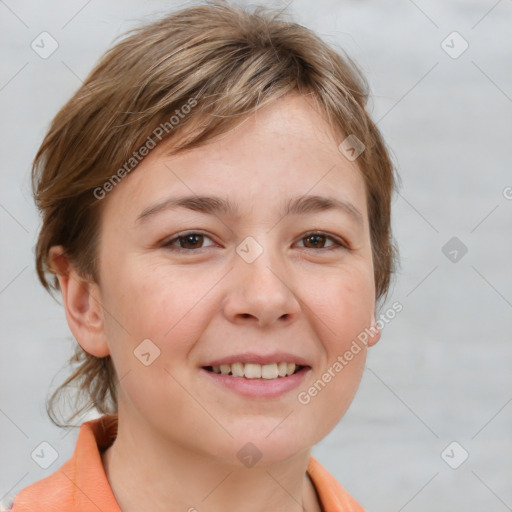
{"points": [[262, 381], [256, 371]]}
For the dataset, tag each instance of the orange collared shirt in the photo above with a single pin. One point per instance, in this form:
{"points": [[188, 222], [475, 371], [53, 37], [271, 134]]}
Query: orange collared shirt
{"points": [[81, 484]]}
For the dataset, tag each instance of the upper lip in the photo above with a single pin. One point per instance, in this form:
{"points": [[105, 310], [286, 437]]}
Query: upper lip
{"points": [[251, 357]]}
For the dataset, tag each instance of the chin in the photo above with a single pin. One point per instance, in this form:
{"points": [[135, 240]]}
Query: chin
{"points": [[269, 445]]}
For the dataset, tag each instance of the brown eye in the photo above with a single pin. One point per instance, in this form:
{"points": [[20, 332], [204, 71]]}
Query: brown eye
{"points": [[191, 241], [187, 242], [318, 241]]}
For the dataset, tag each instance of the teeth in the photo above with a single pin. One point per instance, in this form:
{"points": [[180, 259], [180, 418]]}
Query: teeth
{"points": [[269, 371], [237, 369], [252, 371], [290, 368], [256, 371]]}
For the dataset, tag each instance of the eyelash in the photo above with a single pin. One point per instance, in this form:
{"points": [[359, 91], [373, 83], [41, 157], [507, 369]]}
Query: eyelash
{"points": [[338, 244]]}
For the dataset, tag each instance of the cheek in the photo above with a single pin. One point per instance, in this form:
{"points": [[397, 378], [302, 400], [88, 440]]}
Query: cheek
{"points": [[338, 310], [152, 302], [343, 304], [151, 326], [342, 309]]}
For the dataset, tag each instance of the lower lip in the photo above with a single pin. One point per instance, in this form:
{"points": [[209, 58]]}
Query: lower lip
{"points": [[263, 388]]}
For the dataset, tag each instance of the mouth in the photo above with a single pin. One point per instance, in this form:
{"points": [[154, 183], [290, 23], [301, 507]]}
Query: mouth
{"points": [[252, 371], [257, 376]]}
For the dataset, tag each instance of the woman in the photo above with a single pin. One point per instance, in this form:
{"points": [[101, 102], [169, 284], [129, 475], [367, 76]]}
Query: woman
{"points": [[216, 215]]}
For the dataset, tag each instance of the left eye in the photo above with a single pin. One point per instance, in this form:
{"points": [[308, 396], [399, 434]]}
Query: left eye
{"points": [[321, 238], [193, 241]]}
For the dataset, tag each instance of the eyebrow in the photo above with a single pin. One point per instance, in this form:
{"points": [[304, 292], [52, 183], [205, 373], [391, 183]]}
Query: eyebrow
{"points": [[212, 205]]}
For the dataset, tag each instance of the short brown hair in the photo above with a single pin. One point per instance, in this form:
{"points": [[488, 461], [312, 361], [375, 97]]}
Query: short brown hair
{"points": [[225, 60]]}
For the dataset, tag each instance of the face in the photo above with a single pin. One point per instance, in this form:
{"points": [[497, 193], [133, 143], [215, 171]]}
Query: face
{"points": [[207, 286]]}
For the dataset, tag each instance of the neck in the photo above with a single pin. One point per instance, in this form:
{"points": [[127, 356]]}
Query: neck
{"points": [[144, 476]]}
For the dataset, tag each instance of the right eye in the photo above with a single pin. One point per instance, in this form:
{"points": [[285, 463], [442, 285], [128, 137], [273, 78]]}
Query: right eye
{"points": [[188, 242]]}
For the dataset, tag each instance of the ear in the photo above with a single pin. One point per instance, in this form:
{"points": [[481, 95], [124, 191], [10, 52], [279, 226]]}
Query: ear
{"points": [[82, 303], [375, 332]]}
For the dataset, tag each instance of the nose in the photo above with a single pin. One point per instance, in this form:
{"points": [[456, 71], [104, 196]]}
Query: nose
{"points": [[262, 291]]}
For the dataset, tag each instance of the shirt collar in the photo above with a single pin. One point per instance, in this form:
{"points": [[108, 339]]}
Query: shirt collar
{"points": [[81, 484]]}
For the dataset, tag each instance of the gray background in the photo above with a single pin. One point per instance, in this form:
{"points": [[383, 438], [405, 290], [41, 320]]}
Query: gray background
{"points": [[441, 372]]}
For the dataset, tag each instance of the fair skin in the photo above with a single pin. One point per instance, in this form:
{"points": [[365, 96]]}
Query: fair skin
{"points": [[179, 430]]}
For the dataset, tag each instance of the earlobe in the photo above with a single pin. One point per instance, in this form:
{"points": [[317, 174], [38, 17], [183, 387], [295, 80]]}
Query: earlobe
{"points": [[374, 332], [82, 305]]}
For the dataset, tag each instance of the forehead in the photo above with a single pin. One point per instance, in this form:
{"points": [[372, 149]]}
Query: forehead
{"points": [[283, 150]]}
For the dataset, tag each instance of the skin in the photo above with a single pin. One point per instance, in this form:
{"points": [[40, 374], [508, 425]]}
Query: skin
{"points": [[179, 433]]}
